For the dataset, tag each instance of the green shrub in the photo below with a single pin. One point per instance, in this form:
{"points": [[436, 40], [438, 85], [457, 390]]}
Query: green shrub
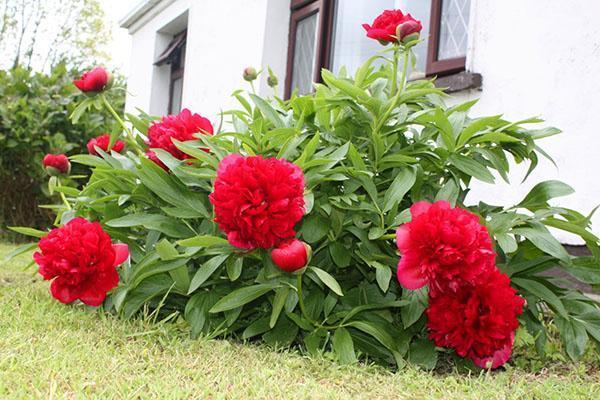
{"points": [[370, 146], [34, 120]]}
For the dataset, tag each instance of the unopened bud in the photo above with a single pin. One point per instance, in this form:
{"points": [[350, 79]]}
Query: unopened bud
{"points": [[250, 74]]}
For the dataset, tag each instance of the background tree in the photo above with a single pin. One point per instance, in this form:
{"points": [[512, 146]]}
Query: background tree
{"points": [[38, 34]]}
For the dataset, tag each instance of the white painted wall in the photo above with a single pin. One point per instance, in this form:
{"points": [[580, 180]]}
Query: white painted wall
{"points": [[542, 59], [537, 59], [223, 38]]}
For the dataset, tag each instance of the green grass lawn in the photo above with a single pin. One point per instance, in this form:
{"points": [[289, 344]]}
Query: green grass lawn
{"points": [[49, 350]]}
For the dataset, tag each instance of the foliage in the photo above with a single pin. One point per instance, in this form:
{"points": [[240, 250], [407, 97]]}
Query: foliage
{"points": [[370, 146], [34, 120], [39, 34]]}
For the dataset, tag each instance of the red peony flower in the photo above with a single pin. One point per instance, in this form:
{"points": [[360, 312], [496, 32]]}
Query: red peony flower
{"points": [[102, 142], [258, 201], [392, 26], [180, 127], [291, 255], [94, 81], [477, 320], [442, 246], [81, 259], [56, 164]]}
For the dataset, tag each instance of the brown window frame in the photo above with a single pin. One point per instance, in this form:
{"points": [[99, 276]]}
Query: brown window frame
{"points": [[435, 66], [174, 55], [177, 72], [301, 9]]}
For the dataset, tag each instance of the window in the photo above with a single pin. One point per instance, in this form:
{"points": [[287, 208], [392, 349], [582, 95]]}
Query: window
{"points": [[447, 49], [308, 52], [328, 34], [174, 55]]}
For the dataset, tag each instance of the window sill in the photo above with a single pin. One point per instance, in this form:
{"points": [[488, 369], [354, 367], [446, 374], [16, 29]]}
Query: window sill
{"points": [[460, 81]]}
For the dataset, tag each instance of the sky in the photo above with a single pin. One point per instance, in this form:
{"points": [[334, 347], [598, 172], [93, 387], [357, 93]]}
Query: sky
{"points": [[115, 10]]}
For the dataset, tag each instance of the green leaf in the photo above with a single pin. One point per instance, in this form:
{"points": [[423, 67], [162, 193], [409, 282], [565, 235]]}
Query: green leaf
{"points": [[196, 311], [168, 188], [544, 191], [383, 275], [258, 327], [445, 127], [203, 241], [543, 240], [507, 243], [23, 230], [471, 167], [476, 126], [242, 296], [309, 150], [169, 226], [343, 346], [278, 303], [268, 111], [147, 290], [328, 280], [571, 227], [340, 255], [449, 192], [146, 270], [574, 336], [417, 303], [234, 267], [381, 335], [166, 250], [351, 90], [422, 353], [205, 271], [543, 293], [197, 152], [494, 137], [403, 182], [283, 334], [314, 228]]}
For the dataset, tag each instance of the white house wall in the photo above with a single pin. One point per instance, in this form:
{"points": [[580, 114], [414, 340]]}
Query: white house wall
{"points": [[537, 58], [223, 38], [542, 58]]}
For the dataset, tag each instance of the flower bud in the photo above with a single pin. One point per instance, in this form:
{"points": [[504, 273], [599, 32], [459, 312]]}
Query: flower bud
{"points": [[250, 74], [272, 81], [102, 142], [94, 81], [291, 255], [408, 31], [56, 165]]}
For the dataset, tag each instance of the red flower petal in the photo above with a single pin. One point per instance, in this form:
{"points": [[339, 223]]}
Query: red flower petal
{"points": [[410, 276], [62, 292], [80, 258], [182, 127], [258, 201], [121, 253]]}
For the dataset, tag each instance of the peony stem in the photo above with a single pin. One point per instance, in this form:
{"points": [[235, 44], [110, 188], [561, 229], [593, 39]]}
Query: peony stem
{"points": [[301, 301], [404, 70], [395, 71], [130, 138], [63, 197]]}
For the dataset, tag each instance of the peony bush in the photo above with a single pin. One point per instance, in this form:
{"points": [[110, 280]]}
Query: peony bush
{"points": [[337, 222]]}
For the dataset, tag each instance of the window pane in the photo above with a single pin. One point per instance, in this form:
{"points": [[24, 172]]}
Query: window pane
{"points": [[351, 47], [176, 93], [454, 27], [305, 54]]}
